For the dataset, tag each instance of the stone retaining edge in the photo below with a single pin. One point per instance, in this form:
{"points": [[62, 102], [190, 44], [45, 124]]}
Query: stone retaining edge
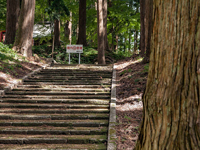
{"points": [[20, 81], [111, 145]]}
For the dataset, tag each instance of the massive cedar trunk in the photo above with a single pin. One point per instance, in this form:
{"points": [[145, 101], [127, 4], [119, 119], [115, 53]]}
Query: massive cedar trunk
{"points": [[57, 33], [82, 23], [101, 46], [13, 9], [24, 37], [171, 116]]}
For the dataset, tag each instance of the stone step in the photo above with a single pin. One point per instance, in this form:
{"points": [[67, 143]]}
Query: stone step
{"points": [[55, 93], [55, 123], [74, 77], [63, 101], [52, 139], [64, 89], [54, 111], [99, 146], [54, 130], [76, 71], [63, 86], [53, 116], [66, 83], [35, 97], [68, 80], [52, 106]]}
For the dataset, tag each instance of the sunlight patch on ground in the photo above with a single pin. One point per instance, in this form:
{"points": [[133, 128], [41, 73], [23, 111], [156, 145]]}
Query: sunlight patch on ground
{"points": [[130, 107], [124, 65]]}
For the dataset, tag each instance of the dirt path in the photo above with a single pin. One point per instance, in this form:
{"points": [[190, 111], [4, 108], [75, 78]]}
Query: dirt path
{"points": [[131, 76]]}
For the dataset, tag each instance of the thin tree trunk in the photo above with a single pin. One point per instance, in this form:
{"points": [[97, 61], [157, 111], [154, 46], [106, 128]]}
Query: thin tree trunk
{"points": [[142, 27], [148, 29], [13, 10], [57, 33], [101, 48], [82, 23], [105, 6], [24, 37], [171, 116], [70, 29]]}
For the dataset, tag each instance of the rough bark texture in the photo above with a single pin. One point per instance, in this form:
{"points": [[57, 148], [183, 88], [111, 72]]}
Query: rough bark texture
{"points": [[172, 98], [101, 48], [24, 37], [105, 8], [57, 33], [82, 23], [142, 27], [13, 9], [148, 28]]}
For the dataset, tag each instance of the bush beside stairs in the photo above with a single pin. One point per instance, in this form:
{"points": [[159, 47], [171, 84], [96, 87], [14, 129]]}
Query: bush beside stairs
{"points": [[60, 107]]}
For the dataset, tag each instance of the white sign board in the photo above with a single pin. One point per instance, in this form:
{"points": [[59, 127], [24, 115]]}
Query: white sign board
{"points": [[74, 48]]}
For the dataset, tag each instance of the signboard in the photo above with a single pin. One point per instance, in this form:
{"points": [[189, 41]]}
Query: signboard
{"points": [[74, 48]]}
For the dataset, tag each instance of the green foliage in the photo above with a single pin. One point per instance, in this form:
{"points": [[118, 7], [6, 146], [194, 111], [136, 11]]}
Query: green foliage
{"points": [[3, 10], [146, 68]]}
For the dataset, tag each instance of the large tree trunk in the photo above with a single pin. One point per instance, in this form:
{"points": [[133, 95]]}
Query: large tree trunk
{"points": [[148, 28], [57, 33], [13, 9], [142, 27], [105, 6], [171, 116], [82, 23], [101, 47], [24, 37]]}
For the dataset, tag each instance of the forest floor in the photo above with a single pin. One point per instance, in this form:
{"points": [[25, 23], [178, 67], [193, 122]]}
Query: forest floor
{"points": [[131, 76], [11, 73]]}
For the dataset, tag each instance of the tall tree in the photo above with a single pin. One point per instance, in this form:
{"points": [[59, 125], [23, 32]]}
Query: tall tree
{"points": [[105, 8], [57, 9], [101, 33], [171, 116], [13, 9], [146, 10], [57, 32], [24, 37], [82, 23]]}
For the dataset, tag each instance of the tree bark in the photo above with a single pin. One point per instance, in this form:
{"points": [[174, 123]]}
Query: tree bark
{"points": [[101, 45], [105, 8], [142, 27], [13, 9], [148, 29], [57, 33], [171, 116], [82, 23], [24, 37]]}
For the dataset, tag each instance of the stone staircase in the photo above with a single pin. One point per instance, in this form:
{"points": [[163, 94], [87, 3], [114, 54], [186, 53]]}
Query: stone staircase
{"points": [[60, 107]]}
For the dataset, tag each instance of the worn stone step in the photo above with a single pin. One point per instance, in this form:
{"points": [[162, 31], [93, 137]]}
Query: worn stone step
{"points": [[63, 89], [54, 130], [52, 106], [74, 77], [53, 117], [55, 93], [76, 71], [68, 80], [55, 123], [66, 83], [101, 146], [52, 139], [63, 86], [53, 111], [34, 97], [68, 101]]}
